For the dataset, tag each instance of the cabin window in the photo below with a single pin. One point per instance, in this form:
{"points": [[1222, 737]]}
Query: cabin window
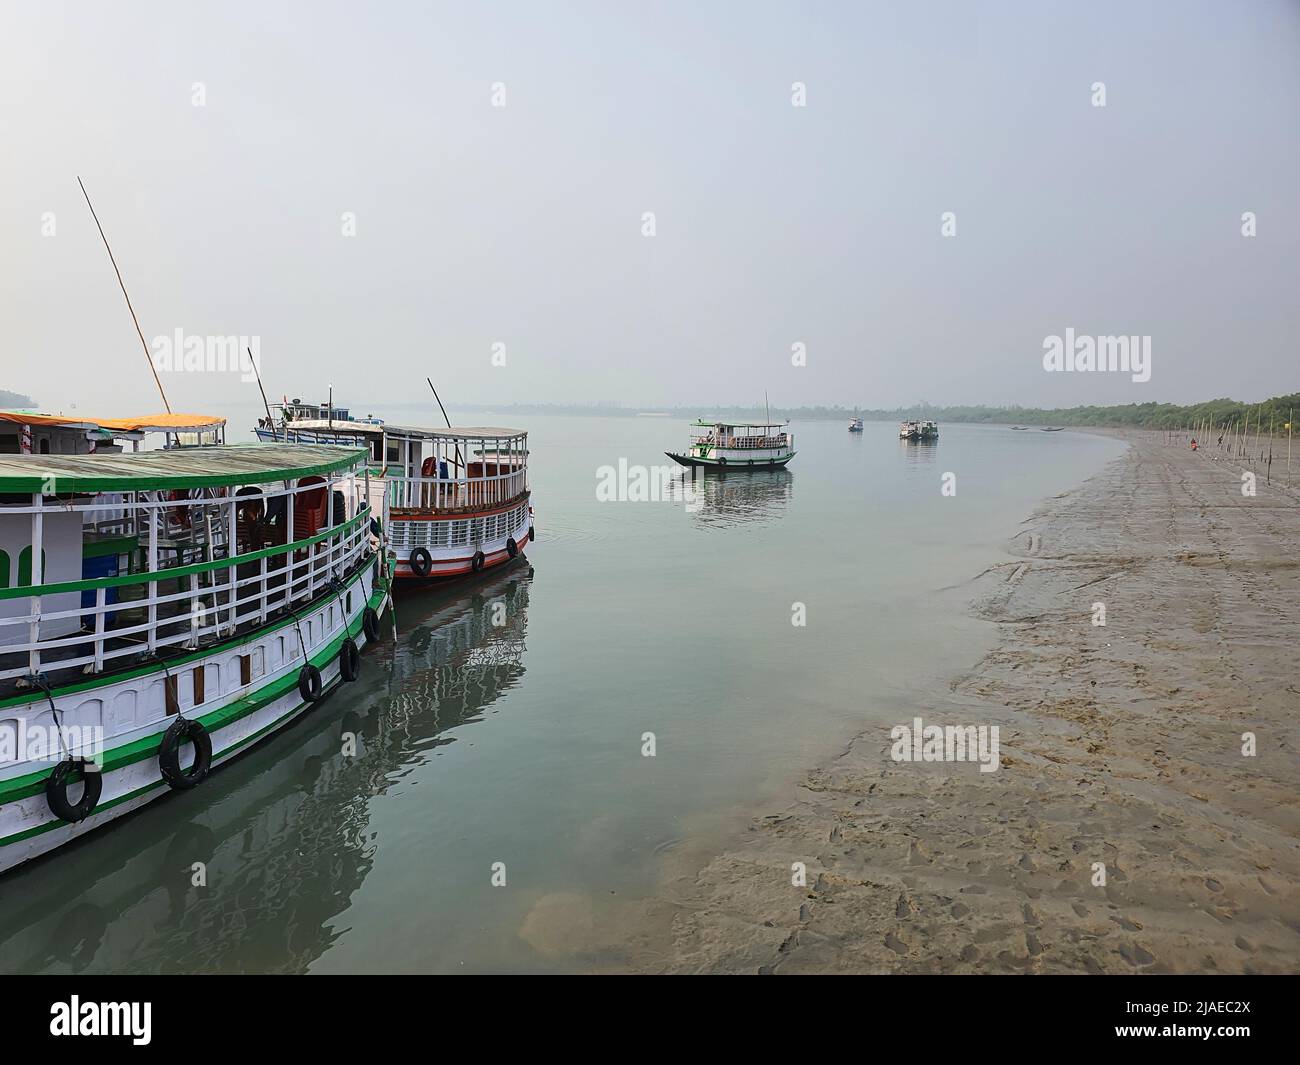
{"points": [[173, 703], [9, 444], [4, 569], [245, 669], [45, 445], [199, 697]]}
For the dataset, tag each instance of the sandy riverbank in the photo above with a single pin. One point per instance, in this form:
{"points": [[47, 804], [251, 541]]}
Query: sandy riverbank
{"points": [[1120, 745]]}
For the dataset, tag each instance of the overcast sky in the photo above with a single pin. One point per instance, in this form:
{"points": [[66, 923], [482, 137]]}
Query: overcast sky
{"points": [[775, 225]]}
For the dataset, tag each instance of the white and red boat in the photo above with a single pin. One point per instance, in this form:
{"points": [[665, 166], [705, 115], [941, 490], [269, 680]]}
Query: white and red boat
{"points": [[452, 501]]}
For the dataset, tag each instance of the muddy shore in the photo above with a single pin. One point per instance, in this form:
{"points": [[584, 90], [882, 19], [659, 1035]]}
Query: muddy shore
{"points": [[1121, 751]]}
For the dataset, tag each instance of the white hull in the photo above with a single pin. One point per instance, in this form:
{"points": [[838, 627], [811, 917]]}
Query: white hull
{"points": [[233, 717], [452, 543]]}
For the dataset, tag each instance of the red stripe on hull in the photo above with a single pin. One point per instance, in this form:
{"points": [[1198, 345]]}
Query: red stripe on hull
{"points": [[463, 565]]}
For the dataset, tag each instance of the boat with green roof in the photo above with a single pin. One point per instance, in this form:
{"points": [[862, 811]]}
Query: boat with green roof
{"points": [[163, 611]]}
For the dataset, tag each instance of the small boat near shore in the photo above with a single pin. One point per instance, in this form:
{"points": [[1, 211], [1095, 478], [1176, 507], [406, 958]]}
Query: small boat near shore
{"points": [[855, 426], [737, 446]]}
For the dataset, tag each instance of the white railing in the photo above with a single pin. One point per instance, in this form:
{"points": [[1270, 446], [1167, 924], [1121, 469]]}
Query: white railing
{"points": [[456, 493], [212, 598]]}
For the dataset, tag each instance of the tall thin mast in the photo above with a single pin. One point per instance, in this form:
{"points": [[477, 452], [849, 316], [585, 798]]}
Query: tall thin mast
{"points": [[122, 284]]}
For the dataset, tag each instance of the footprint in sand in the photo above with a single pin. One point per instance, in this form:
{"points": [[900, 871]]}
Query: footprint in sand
{"points": [[1136, 954]]}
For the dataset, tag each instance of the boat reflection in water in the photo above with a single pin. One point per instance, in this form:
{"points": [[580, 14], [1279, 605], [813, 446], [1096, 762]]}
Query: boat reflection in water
{"points": [[919, 452], [723, 499], [283, 834]]}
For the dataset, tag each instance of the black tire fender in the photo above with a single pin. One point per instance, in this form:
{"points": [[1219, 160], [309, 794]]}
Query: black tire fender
{"points": [[421, 562], [183, 730], [56, 791], [512, 548], [476, 563], [370, 624], [349, 660], [309, 683]]}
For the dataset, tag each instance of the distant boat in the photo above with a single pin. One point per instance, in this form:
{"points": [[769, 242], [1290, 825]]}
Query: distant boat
{"points": [[855, 426], [1020, 428], [918, 430], [1051, 429]]}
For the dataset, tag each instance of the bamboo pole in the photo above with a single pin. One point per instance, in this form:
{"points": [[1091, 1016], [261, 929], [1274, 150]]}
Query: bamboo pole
{"points": [[122, 285]]}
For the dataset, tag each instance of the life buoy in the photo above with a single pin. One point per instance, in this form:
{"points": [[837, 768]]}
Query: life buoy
{"points": [[349, 660], [309, 685], [185, 730], [512, 548], [421, 562], [476, 563], [370, 624], [56, 791]]}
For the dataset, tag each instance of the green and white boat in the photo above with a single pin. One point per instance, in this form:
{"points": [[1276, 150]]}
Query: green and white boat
{"points": [[161, 612], [727, 446]]}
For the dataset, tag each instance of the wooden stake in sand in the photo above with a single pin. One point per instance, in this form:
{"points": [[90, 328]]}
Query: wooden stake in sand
{"points": [[1290, 420]]}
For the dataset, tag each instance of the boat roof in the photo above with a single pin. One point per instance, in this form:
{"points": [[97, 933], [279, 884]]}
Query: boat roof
{"points": [[471, 432], [741, 425], [145, 423], [198, 467]]}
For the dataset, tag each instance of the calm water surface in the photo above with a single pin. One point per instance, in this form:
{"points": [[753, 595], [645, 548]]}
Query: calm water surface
{"points": [[521, 743]]}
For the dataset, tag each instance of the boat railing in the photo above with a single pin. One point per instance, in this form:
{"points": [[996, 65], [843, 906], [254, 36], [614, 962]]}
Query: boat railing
{"points": [[191, 589], [741, 443], [453, 494]]}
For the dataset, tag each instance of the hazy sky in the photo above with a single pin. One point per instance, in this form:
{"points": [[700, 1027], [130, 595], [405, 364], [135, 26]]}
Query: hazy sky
{"points": [[775, 225]]}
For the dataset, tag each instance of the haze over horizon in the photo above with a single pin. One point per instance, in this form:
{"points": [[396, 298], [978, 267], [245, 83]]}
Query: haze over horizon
{"points": [[522, 225]]}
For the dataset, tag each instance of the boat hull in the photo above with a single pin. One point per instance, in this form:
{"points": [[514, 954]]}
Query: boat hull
{"points": [[453, 541], [243, 715], [731, 464]]}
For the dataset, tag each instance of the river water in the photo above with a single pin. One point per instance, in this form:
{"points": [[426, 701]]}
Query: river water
{"points": [[502, 809]]}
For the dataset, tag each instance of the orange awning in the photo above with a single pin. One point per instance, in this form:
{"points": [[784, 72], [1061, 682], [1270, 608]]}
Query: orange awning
{"points": [[144, 424]]}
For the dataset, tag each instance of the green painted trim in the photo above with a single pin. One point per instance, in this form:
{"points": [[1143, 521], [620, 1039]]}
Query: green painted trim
{"points": [[113, 545], [148, 746], [144, 482], [174, 572], [103, 679]]}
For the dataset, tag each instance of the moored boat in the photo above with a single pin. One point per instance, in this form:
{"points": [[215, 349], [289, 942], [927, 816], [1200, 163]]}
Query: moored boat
{"points": [[162, 611], [732, 446], [450, 501], [855, 426], [311, 423], [26, 432]]}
